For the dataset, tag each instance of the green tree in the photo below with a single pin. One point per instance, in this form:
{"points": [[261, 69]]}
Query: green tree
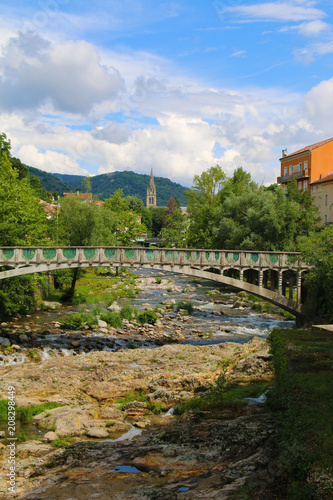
{"points": [[157, 214], [174, 230], [4, 146], [317, 250], [22, 223], [22, 218], [242, 215], [202, 200], [22, 169], [116, 202], [77, 224], [86, 182], [136, 205], [209, 183], [171, 207]]}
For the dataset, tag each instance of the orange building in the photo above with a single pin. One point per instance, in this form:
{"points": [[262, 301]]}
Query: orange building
{"points": [[307, 164]]}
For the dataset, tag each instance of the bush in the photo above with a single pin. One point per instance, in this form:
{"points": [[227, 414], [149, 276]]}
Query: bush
{"points": [[72, 322], [127, 312], [147, 317], [112, 318], [187, 306]]}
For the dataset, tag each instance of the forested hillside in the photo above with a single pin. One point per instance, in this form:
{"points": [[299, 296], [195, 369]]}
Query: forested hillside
{"points": [[49, 181], [106, 185]]}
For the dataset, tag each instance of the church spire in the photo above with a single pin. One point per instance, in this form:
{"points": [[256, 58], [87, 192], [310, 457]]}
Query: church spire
{"points": [[151, 192]]}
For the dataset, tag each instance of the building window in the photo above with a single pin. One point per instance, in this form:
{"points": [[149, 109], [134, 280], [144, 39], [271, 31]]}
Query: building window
{"points": [[300, 167], [306, 165], [325, 219], [305, 185], [300, 185], [290, 169], [319, 189], [325, 200], [314, 190], [285, 171]]}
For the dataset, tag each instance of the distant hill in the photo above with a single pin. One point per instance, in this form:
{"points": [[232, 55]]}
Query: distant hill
{"points": [[49, 181], [105, 185], [70, 179]]}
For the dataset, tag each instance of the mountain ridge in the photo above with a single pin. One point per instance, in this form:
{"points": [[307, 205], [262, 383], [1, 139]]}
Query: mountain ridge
{"points": [[104, 185]]}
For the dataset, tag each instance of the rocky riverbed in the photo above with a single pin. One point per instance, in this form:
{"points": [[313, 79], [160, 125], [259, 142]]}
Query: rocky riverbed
{"points": [[210, 458], [87, 373]]}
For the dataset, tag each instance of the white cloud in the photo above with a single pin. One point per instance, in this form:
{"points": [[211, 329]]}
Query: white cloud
{"points": [[276, 12], [50, 161], [68, 76], [239, 53], [313, 28], [319, 105]]}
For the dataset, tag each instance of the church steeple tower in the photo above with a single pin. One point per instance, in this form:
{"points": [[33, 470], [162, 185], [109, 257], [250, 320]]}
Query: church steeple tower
{"points": [[151, 192]]}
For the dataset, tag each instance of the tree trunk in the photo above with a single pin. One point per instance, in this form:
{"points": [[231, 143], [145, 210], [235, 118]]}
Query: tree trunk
{"points": [[76, 275]]}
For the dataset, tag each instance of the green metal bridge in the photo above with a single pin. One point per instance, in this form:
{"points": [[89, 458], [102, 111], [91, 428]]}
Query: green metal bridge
{"points": [[274, 276]]}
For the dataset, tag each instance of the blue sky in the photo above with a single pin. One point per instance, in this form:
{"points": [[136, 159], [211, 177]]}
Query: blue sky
{"points": [[177, 86]]}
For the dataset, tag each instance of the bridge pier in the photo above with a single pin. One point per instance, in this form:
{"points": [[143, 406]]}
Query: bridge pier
{"points": [[299, 287], [280, 284]]}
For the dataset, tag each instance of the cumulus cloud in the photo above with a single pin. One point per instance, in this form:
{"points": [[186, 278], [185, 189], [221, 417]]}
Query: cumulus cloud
{"points": [[50, 161], [319, 105], [68, 75]]}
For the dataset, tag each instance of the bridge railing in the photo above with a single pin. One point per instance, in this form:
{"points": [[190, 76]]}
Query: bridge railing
{"points": [[149, 256]]}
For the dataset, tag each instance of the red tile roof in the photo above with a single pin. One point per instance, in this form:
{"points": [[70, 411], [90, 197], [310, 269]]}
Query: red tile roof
{"points": [[324, 178], [308, 148]]}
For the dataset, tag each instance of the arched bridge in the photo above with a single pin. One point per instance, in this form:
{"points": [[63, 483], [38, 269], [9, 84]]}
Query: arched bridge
{"points": [[266, 274]]}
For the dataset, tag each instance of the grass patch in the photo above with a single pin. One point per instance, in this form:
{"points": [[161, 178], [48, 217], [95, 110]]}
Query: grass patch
{"points": [[62, 442], [221, 395], [303, 402], [132, 396], [25, 413], [96, 286], [140, 396], [33, 355]]}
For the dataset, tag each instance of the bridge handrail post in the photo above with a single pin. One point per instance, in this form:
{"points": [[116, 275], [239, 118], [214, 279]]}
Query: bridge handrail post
{"points": [[121, 256], [101, 255], [59, 256], [39, 255], [17, 252]]}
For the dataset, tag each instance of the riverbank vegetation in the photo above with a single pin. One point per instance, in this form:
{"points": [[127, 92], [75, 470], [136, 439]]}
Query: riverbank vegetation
{"points": [[302, 401]]}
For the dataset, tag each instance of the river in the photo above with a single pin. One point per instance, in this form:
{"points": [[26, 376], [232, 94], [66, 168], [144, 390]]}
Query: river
{"points": [[215, 319]]}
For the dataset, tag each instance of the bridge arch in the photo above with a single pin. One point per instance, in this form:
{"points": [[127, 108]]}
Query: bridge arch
{"points": [[207, 264]]}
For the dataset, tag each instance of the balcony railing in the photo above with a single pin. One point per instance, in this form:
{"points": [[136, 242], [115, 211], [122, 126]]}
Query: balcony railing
{"points": [[294, 175]]}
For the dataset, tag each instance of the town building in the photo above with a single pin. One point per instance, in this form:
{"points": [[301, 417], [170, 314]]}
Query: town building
{"points": [[151, 192], [82, 196], [322, 193], [307, 164]]}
